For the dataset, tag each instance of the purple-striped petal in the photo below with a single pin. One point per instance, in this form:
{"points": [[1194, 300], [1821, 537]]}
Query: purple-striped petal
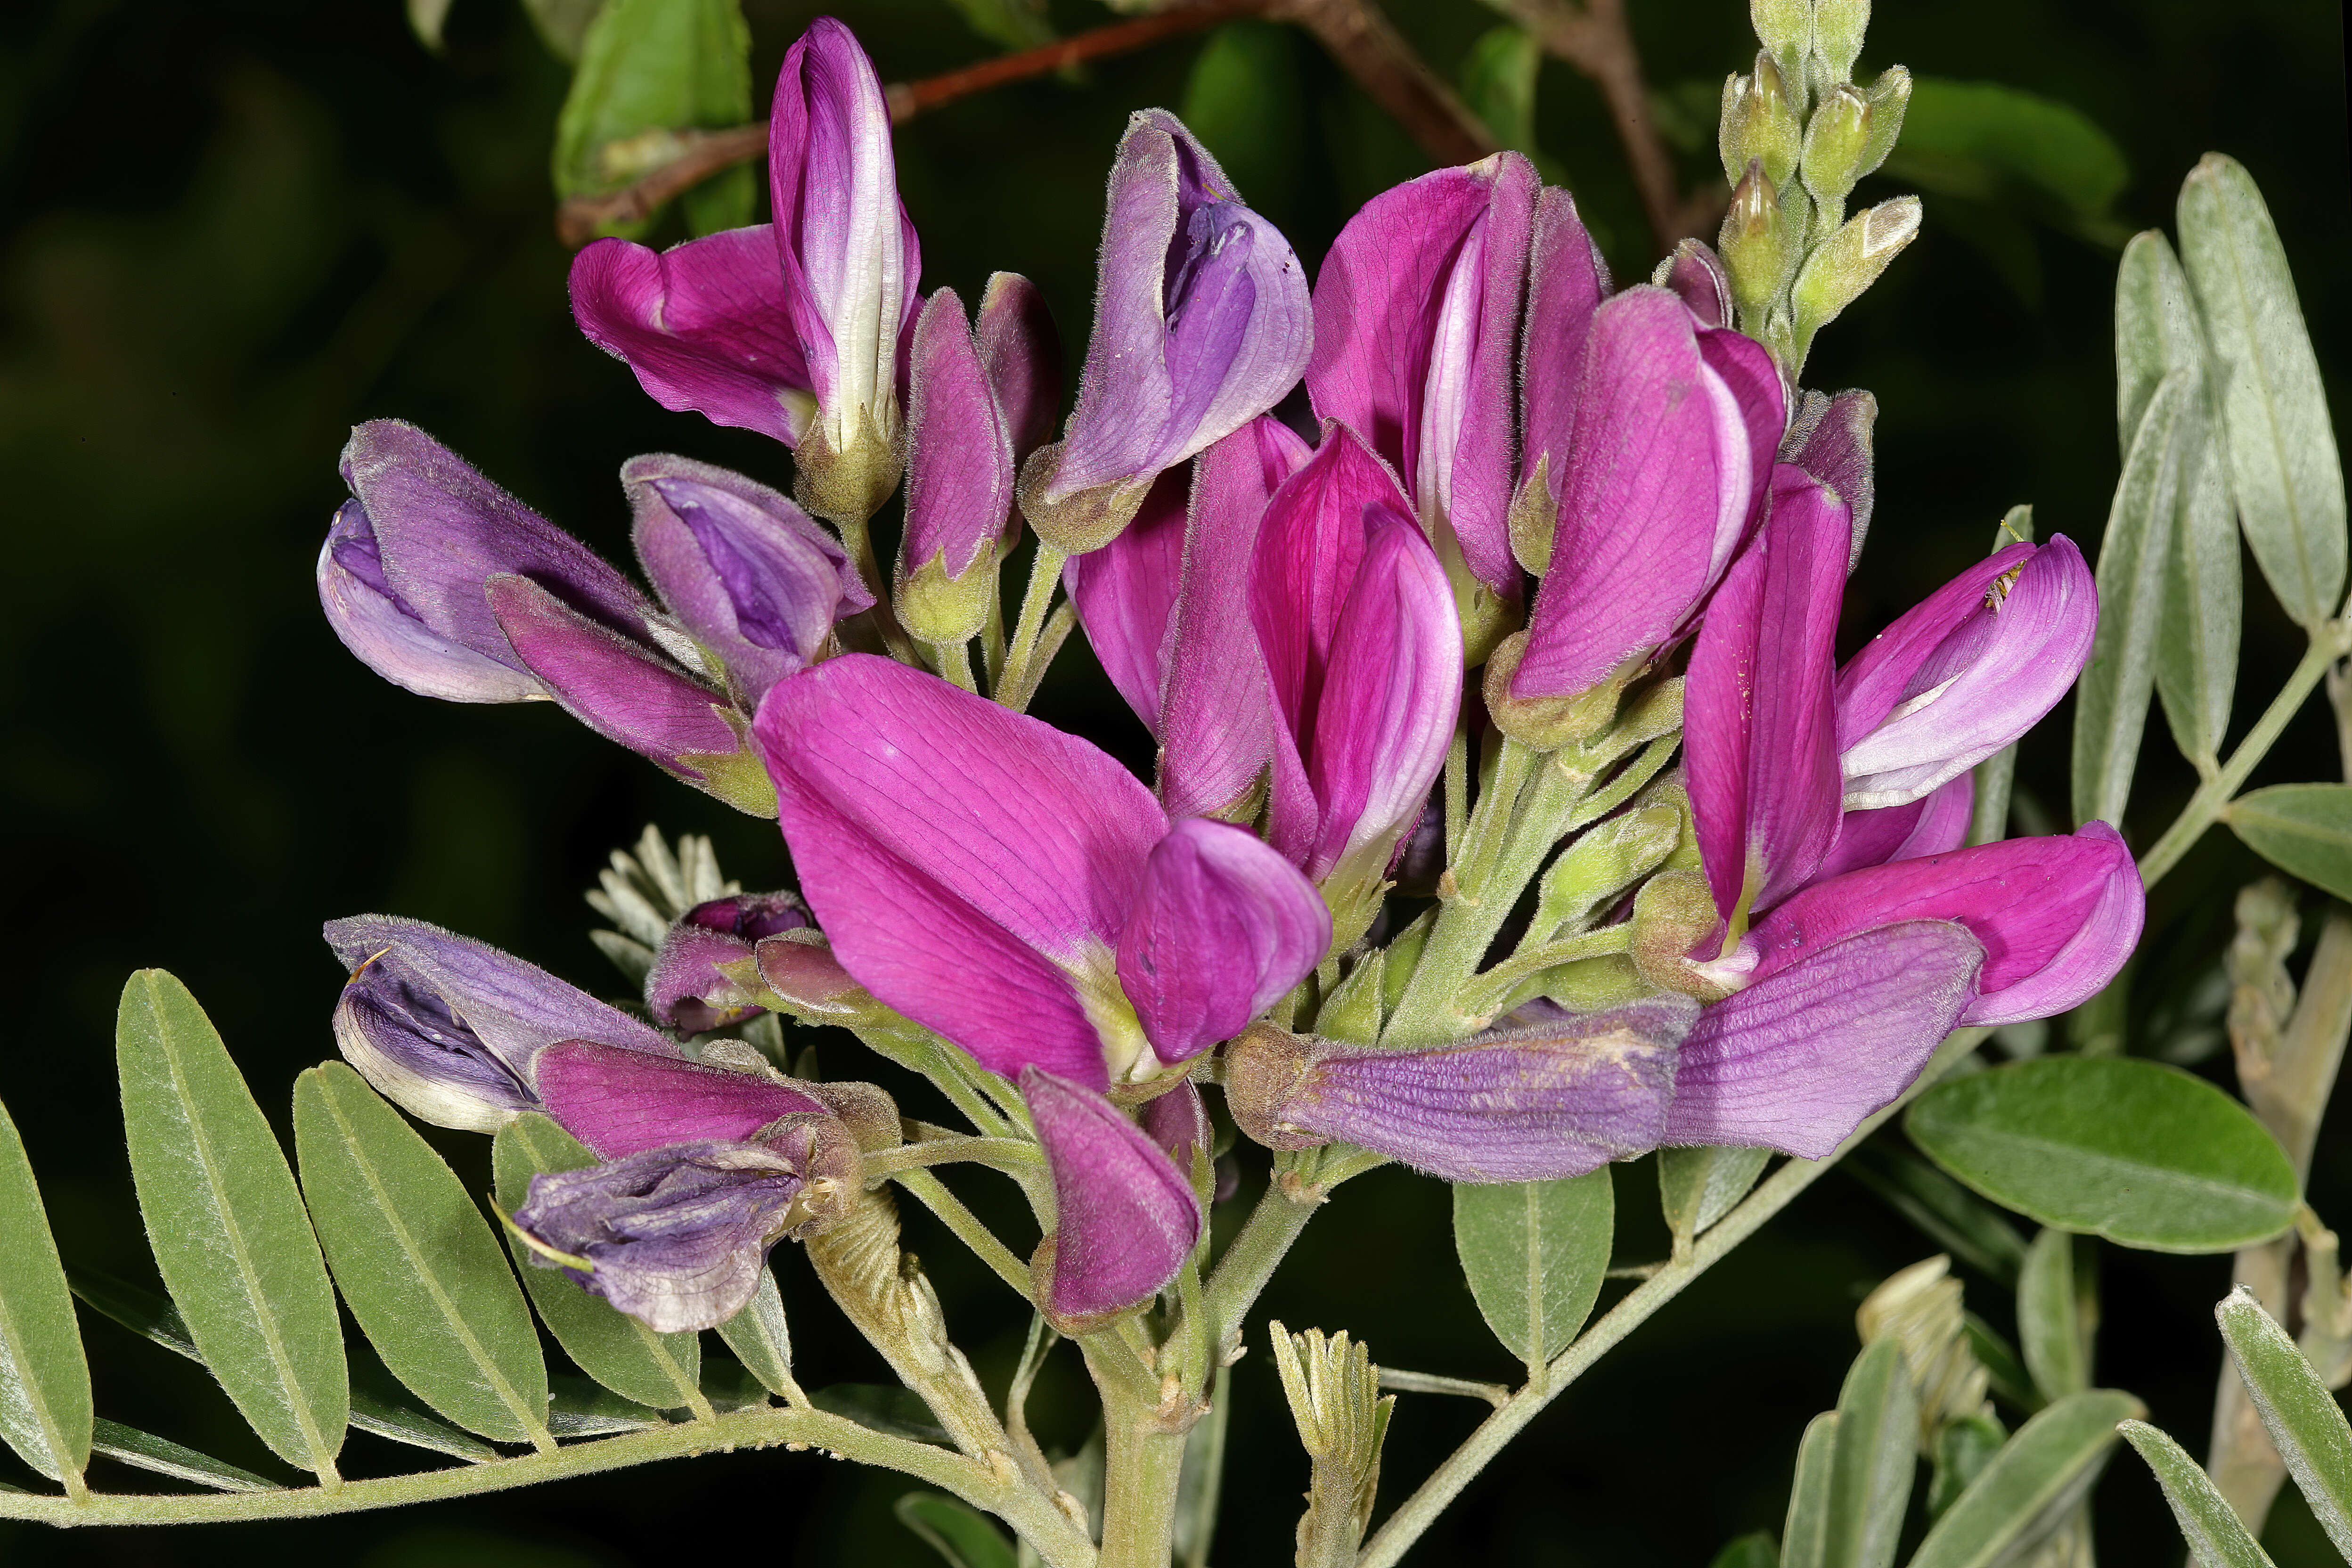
{"points": [[619, 687], [1386, 715], [1221, 929], [846, 250], [675, 1237], [1124, 1216], [621, 1102], [392, 639], [1532, 1103], [1797, 1060], [748, 573], [704, 326], [1965, 672], [1657, 492], [451, 1029], [2056, 917], [1760, 735], [972, 866], [442, 531]]}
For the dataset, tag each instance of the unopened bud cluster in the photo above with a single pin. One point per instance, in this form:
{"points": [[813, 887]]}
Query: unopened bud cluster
{"points": [[1797, 133]]}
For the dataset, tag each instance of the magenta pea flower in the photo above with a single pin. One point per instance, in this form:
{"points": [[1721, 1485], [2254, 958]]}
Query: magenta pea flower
{"points": [[1663, 479], [1819, 891], [1201, 323], [1018, 892], [689, 986], [1304, 654], [1417, 316], [792, 328]]}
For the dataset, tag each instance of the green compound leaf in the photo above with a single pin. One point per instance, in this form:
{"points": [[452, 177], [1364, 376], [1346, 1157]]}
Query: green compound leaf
{"points": [[2283, 468], [2305, 830], [2303, 1416], [2143, 1154], [230, 1235], [1698, 1187], [165, 1458], [960, 1533], [649, 69], [2111, 699], [44, 1377], [416, 1261], [2031, 1485], [2215, 1537], [663, 1371], [1872, 1465], [1534, 1253]]}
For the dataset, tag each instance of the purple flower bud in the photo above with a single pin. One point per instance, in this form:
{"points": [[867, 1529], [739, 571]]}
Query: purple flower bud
{"points": [[1963, 673], [452, 1030], [1201, 323], [959, 479], [1178, 1121], [687, 988], [1417, 313], [1798, 1059], [401, 574], [1022, 354], [745, 570], [1665, 476], [675, 1237], [1126, 1217], [1555, 1094]]}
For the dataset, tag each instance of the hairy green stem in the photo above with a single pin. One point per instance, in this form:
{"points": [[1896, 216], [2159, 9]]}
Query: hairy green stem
{"points": [[995, 1487], [859, 537], [1013, 1156], [1143, 1463], [935, 1196], [1419, 1510], [1016, 678], [2215, 794]]}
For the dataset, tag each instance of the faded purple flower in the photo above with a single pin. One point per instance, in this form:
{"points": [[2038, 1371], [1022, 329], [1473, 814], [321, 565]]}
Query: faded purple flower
{"points": [[688, 988], [451, 1029]]}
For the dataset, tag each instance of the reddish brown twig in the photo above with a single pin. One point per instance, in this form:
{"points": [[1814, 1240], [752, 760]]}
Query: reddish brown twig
{"points": [[1358, 36], [1593, 36]]}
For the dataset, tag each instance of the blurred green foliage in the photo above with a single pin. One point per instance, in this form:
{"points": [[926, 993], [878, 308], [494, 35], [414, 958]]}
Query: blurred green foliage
{"points": [[235, 227]]}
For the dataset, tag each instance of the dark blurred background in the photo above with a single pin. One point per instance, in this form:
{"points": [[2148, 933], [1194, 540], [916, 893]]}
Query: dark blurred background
{"points": [[233, 229]]}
